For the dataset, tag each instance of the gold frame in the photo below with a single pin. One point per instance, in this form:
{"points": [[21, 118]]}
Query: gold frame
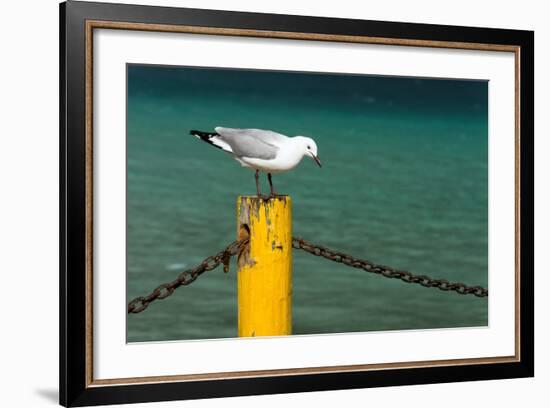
{"points": [[99, 24]]}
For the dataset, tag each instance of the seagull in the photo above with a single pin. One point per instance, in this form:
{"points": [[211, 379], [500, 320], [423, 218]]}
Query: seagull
{"points": [[261, 150]]}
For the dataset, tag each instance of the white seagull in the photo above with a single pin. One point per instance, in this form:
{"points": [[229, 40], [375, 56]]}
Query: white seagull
{"points": [[261, 150]]}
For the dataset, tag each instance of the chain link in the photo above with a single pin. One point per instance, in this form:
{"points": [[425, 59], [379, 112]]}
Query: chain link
{"points": [[386, 271], [188, 276]]}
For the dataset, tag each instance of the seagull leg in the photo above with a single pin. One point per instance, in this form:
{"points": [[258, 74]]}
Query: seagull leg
{"points": [[270, 185], [257, 177]]}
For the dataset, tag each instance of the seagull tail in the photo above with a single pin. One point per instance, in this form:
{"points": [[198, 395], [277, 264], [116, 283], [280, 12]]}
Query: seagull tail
{"points": [[213, 139]]}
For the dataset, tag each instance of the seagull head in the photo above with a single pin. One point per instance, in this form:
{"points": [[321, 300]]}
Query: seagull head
{"points": [[310, 148]]}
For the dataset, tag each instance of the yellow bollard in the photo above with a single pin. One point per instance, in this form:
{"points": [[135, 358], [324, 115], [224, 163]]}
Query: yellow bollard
{"points": [[265, 267]]}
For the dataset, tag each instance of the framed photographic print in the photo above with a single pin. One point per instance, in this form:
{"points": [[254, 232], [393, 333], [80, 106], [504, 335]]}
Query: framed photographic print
{"points": [[255, 203]]}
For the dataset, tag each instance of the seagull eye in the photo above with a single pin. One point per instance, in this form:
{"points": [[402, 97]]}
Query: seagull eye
{"points": [[308, 147]]}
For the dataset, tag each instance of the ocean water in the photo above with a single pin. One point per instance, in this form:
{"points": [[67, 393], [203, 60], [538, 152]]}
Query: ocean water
{"points": [[404, 183]]}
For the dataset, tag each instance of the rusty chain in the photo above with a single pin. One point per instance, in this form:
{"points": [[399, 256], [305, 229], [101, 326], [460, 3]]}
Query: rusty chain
{"points": [[188, 276], [426, 281]]}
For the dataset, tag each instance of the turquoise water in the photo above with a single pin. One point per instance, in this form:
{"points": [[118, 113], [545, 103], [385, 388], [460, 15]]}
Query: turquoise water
{"points": [[403, 183]]}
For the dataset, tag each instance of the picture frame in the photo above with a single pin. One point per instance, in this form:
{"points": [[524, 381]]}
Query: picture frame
{"points": [[79, 21]]}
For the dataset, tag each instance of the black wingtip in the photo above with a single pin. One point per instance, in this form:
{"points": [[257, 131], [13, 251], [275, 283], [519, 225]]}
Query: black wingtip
{"points": [[205, 136], [202, 134]]}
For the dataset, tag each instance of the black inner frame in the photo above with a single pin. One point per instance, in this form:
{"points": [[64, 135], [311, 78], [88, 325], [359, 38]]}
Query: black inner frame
{"points": [[73, 391]]}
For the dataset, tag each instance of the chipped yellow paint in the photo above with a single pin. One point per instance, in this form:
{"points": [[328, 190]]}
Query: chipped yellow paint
{"points": [[265, 269]]}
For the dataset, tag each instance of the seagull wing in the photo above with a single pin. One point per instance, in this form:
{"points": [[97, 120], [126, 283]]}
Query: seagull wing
{"points": [[253, 143]]}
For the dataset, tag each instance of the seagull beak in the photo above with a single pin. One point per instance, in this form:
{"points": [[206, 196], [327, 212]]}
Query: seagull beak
{"points": [[316, 159]]}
